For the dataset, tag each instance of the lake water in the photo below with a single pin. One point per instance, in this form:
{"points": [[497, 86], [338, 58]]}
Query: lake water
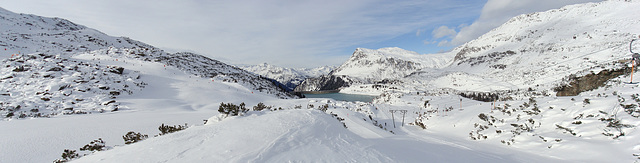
{"points": [[342, 97]]}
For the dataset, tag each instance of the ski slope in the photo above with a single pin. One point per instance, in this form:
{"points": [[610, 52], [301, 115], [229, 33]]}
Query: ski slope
{"points": [[301, 135]]}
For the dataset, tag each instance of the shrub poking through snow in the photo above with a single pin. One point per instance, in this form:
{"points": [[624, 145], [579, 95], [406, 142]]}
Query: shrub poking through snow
{"points": [[232, 110], [166, 129], [420, 124], [133, 137], [260, 106], [339, 119], [324, 108], [95, 145], [67, 155]]}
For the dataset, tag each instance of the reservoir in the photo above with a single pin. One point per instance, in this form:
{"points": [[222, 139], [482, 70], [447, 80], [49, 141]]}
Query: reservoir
{"points": [[342, 97]]}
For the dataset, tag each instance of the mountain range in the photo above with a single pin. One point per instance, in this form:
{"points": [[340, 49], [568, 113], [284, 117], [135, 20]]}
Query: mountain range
{"points": [[290, 77]]}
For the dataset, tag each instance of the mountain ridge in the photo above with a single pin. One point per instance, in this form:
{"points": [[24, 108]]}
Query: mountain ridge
{"points": [[290, 77]]}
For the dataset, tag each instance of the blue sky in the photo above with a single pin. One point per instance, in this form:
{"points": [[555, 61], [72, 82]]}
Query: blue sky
{"points": [[289, 33]]}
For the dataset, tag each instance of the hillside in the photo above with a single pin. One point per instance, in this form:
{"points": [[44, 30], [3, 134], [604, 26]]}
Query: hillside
{"points": [[26, 33], [538, 49], [69, 75], [40, 77]]}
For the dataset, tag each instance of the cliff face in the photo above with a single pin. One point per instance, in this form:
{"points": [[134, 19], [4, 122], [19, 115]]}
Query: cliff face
{"points": [[325, 82]]}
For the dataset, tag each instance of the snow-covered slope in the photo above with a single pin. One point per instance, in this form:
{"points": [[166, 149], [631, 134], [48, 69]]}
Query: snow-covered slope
{"points": [[304, 135], [41, 85], [539, 49], [26, 33], [56, 69], [290, 77], [37, 52], [170, 95], [387, 63]]}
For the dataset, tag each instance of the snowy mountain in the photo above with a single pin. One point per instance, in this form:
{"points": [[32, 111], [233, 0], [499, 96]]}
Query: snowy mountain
{"points": [[387, 63], [40, 52], [367, 66], [56, 69], [290, 77], [538, 50]]}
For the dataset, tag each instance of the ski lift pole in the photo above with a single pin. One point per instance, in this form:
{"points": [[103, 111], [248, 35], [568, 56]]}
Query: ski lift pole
{"points": [[633, 64], [634, 56], [631, 46], [403, 113], [393, 118]]}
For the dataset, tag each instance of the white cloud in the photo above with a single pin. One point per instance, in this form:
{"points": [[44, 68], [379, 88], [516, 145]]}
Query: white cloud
{"points": [[496, 12], [443, 31], [443, 43], [427, 42], [287, 33]]}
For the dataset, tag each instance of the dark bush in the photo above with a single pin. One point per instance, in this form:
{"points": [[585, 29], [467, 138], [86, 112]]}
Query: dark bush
{"points": [[95, 145], [231, 109], [165, 129], [483, 117], [132, 137], [67, 155], [260, 107]]}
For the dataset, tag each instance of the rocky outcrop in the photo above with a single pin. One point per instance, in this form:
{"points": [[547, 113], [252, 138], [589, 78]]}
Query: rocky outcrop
{"points": [[589, 82], [324, 83]]}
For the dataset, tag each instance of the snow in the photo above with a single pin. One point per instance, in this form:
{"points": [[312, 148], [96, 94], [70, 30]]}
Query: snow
{"points": [[171, 96], [292, 135], [534, 50], [526, 126], [367, 64]]}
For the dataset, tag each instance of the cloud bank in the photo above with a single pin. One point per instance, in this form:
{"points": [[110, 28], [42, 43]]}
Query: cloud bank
{"points": [[302, 33]]}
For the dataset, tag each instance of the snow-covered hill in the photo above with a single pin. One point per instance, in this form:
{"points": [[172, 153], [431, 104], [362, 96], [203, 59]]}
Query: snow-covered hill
{"points": [[538, 50], [57, 69], [26, 33], [38, 56], [41, 85], [299, 135], [387, 63], [290, 77]]}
